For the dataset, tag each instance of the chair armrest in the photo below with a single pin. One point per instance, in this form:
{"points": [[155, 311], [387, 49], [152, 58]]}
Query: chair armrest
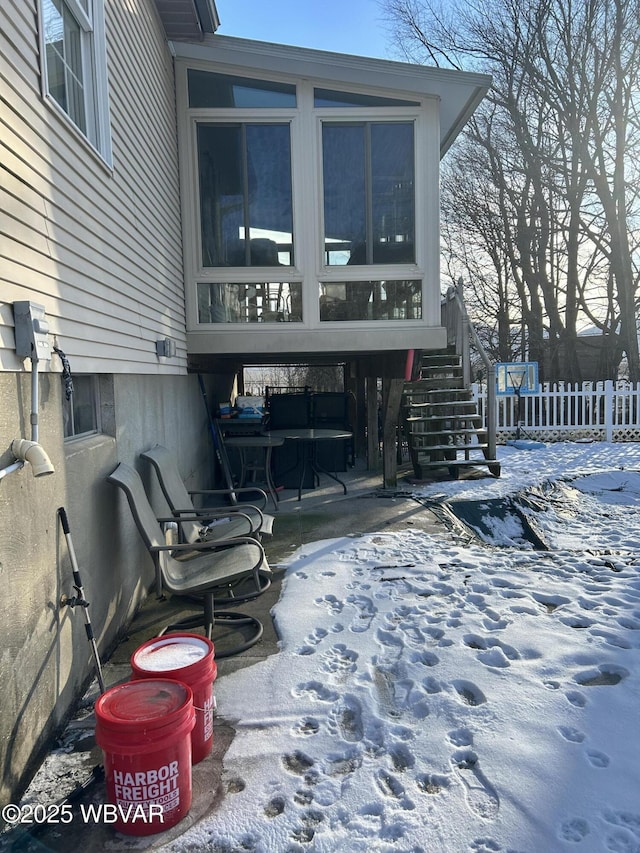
{"points": [[201, 518], [245, 490], [199, 514], [208, 546]]}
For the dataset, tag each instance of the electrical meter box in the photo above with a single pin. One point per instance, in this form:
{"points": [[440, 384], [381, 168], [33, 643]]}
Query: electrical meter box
{"points": [[31, 331]]}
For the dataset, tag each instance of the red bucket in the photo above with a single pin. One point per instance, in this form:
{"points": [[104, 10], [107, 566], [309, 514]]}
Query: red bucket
{"points": [[189, 658], [144, 730]]}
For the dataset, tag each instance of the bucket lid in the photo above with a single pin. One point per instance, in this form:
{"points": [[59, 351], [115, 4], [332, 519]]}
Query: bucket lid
{"points": [[150, 700], [172, 653]]}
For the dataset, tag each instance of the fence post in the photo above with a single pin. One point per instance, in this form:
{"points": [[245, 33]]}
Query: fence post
{"points": [[608, 410]]}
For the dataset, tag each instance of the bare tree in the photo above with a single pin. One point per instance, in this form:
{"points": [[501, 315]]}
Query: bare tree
{"points": [[556, 140]]}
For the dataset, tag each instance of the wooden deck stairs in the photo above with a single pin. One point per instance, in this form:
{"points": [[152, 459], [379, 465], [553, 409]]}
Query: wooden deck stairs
{"points": [[441, 421]]}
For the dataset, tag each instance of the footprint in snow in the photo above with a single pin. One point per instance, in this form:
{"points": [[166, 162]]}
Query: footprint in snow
{"points": [[333, 604], [306, 727], [385, 686], [460, 737], [346, 718], [574, 830], [606, 675], [297, 762], [316, 690], [339, 660], [610, 638], [425, 658], [481, 796], [365, 613], [485, 845], [492, 651], [577, 699], [571, 734], [625, 820], [311, 641], [393, 788], [469, 693], [274, 807], [401, 757], [432, 783], [597, 759]]}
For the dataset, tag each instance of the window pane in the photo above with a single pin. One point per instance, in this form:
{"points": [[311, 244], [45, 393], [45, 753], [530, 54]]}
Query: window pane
{"points": [[368, 173], [222, 90], [53, 35], [332, 98], [343, 168], [245, 192], [80, 412], [270, 302], [56, 75], [392, 192], [371, 300], [73, 57], [63, 54]]}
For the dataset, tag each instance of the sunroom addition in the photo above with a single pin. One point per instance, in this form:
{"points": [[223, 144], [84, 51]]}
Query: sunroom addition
{"points": [[310, 197]]}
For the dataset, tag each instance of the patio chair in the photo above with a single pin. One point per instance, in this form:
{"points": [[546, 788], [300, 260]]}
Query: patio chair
{"points": [[212, 521], [212, 571]]}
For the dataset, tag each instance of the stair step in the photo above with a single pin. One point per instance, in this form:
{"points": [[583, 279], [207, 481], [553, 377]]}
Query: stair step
{"points": [[439, 405], [433, 371], [444, 395], [492, 464], [444, 417], [462, 431], [436, 383], [440, 357], [459, 447]]}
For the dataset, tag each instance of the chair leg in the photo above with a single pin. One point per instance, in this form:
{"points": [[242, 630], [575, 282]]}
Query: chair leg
{"points": [[208, 614], [210, 617]]}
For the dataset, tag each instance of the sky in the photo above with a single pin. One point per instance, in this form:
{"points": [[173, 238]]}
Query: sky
{"points": [[454, 693], [354, 26]]}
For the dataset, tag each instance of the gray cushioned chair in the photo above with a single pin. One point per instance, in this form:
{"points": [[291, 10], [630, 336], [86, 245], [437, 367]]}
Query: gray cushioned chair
{"points": [[212, 571], [225, 502]]}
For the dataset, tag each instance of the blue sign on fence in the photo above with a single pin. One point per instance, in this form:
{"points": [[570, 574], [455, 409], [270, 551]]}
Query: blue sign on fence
{"points": [[517, 377]]}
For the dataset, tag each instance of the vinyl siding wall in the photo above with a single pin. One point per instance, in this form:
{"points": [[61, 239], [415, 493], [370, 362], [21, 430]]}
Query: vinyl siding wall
{"points": [[100, 248]]}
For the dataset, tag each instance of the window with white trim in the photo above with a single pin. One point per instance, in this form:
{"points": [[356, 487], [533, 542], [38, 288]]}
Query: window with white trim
{"points": [[74, 66]]}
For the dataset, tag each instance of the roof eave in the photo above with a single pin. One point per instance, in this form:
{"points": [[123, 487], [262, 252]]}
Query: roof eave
{"points": [[459, 92], [188, 20]]}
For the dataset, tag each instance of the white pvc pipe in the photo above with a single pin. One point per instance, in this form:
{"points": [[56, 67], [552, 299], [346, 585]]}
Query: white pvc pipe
{"points": [[15, 466]]}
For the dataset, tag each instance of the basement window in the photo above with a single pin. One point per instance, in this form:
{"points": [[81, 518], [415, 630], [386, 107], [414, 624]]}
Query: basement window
{"points": [[81, 410]]}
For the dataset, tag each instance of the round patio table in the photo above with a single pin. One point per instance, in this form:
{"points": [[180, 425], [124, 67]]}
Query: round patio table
{"points": [[309, 439]]}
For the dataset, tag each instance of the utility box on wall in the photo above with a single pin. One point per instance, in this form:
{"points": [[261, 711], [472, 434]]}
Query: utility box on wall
{"points": [[31, 331]]}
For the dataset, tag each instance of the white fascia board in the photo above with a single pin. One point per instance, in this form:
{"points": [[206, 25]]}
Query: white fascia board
{"points": [[459, 92]]}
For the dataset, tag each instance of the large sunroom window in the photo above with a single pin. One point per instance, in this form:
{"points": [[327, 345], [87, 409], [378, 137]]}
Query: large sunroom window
{"points": [[368, 192], [246, 208]]}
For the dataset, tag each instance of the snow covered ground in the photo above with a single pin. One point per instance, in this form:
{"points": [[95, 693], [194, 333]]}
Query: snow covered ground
{"points": [[445, 695]]}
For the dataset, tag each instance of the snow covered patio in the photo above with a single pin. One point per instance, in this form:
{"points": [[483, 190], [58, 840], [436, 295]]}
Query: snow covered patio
{"points": [[436, 692]]}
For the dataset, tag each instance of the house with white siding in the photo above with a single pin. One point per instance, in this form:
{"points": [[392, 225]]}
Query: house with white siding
{"points": [[176, 203]]}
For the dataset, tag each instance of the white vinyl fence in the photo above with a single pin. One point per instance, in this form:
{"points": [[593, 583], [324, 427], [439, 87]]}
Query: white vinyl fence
{"points": [[602, 411]]}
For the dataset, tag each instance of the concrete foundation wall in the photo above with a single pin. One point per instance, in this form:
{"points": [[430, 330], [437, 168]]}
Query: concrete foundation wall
{"points": [[45, 658]]}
